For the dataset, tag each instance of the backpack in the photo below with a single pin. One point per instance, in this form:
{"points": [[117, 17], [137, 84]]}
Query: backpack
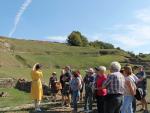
{"points": [[139, 93]]}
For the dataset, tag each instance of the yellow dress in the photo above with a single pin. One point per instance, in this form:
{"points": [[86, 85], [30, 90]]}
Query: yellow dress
{"points": [[36, 86]]}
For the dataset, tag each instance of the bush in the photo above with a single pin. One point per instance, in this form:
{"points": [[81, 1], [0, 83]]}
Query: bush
{"points": [[101, 45]]}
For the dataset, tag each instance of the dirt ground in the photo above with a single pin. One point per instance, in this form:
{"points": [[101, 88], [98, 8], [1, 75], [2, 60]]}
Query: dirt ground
{"points": [[56, 108], [51, 107]]}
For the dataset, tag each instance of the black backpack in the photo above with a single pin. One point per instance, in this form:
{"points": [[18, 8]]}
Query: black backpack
{"points": [[139, 93]]}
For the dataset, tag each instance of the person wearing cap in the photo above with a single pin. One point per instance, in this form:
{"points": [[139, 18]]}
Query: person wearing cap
{"points": [[100, 92], [142, 83], [89, 82], [36, 85], [52, 85], [115, 89]]}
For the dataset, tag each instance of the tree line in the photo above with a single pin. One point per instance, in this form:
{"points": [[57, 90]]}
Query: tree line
{"points": [[77, 39]]}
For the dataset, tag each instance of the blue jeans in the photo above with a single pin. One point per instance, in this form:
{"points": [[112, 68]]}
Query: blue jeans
{"points": [[127, 104], [75, 97]]}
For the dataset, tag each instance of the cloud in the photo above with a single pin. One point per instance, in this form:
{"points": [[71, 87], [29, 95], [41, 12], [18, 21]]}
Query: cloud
{"points": [[128, 42], [56, 38], [143, 15], [132, 36], [22, 9]]}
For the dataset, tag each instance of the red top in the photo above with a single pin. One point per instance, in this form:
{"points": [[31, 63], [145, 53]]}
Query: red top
{"points": [[99, 82]]}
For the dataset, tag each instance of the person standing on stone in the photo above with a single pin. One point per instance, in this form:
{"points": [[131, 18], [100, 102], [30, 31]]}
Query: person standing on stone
{"points": [[52, 85], [66, 88], [89, 83], [75, 85], [99, 91], [142, 83], [129, 92], [36, 86], [115, 89]]}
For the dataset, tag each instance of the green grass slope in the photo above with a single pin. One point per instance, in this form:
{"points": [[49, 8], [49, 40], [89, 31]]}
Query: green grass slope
{"points": [[20, 55]]}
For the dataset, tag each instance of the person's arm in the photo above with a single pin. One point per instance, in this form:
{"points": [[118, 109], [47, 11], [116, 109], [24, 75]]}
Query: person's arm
{"points": [[49, 82], [141, 76], [79, 83], [131, 87], [107, 82], [33, 69]]}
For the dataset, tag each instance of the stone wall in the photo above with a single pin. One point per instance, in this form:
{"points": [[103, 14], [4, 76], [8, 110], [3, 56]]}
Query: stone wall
{"points": [[24, 85], [7, 82]]}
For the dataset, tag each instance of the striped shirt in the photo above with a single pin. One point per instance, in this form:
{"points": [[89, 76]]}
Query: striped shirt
{"points": [[115, 83]]}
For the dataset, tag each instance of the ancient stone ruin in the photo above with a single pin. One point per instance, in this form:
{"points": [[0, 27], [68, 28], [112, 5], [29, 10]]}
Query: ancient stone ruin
{"points": [[25, 85], [7, 82], [20, 84]]}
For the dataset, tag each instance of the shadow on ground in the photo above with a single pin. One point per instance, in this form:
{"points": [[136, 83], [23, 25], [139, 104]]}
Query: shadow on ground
{"points": [[56, 108]]}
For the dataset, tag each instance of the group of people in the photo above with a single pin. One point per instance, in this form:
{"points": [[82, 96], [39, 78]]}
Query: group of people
{"points": [[114, 92]]}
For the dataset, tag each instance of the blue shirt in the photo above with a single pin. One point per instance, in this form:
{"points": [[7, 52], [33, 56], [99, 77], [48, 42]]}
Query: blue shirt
{"points": [[142, 84]]}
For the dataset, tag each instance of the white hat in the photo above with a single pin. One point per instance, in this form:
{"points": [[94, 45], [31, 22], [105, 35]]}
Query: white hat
{"points": [[90, 70]]}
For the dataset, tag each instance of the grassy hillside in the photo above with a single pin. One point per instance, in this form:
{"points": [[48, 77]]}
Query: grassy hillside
{"points": [[22, 54]]}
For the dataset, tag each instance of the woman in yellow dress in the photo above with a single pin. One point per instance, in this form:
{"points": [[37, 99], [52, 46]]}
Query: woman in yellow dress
{"points": [[36, 86]]}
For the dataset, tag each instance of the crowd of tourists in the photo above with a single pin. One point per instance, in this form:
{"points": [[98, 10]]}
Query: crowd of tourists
{"points": [[115, 90]]}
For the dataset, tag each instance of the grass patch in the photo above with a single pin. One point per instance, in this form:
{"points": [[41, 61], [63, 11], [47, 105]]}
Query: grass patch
{"points": [[15, 97]]}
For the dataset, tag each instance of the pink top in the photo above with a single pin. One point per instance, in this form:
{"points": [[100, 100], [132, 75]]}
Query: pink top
{"points": [[99, 82]]}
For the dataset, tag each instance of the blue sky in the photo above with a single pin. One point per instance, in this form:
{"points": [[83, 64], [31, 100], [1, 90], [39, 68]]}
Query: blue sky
{"points": [[124, 23]]}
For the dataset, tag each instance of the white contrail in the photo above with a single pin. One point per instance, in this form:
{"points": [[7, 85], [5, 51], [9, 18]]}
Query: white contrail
{"points": [[22, 9]]}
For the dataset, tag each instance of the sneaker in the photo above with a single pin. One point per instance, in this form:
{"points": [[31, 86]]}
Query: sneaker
{"points": [[62, 104], [38, 110], [141, 109], [68, 105], [89, 111]]}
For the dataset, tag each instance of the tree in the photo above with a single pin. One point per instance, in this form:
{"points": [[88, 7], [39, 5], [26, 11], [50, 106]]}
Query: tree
{"points": [[84, 41], [74, 39], [77, 39]]}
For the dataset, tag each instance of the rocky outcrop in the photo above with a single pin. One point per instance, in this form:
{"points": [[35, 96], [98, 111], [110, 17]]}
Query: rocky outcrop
{"points": [[7, 82]]}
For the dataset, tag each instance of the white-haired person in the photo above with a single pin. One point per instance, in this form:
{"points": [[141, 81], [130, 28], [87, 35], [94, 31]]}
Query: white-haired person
{"points": [[36, 86], [115, 89], [129, 92], [99, 91]]}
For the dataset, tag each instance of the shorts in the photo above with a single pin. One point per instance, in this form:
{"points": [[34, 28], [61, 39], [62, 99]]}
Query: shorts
{"points": [[66, 90], [54, 91]]}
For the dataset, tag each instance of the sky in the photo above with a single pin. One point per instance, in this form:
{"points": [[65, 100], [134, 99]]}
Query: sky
{"points": [[124, 23]]}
